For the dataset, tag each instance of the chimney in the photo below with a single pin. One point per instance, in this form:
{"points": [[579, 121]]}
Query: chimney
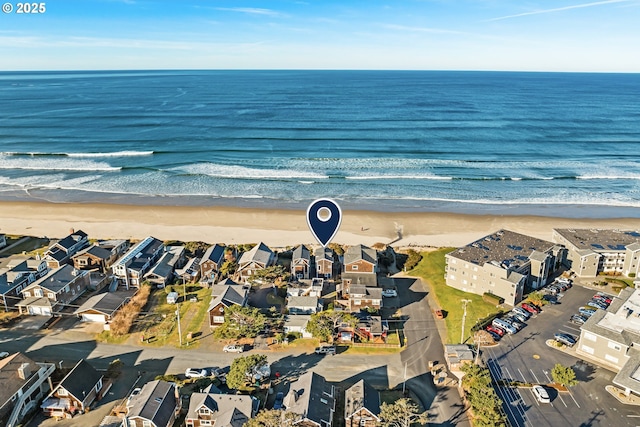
{"points": [[24, 372], [71, 231]]}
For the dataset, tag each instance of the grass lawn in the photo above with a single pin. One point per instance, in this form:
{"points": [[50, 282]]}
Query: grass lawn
{"points": [[31, 246], [431, 270], [372, 350]]}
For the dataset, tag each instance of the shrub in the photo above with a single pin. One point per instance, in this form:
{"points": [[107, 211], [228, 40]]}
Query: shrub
{"points": [[115, 369], [492, 299], [123, 320], [632, 275], [413, 258]]}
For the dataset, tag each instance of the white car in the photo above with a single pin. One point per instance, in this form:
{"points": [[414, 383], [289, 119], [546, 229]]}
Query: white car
{"points": [[541, 394], [389, 293], [4, 354], [233, 348], [195, 373], [136, 391]]}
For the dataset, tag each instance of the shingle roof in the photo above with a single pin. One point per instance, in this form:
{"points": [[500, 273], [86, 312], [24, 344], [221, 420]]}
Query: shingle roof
{"points": [[213, 253], [227, 295], [360, 252], [361, 395], [106, 303], [301, 252], [96, 251], [57, 279], [324, 253], [9, 378], [302, 302], [72, 239], [599, 240], [259, 253], [308, 395], [228, 410], [82, 378], [156, 403]]}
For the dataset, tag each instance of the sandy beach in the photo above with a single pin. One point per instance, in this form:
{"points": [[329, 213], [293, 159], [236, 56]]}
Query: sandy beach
{"points": [[277, 228]]}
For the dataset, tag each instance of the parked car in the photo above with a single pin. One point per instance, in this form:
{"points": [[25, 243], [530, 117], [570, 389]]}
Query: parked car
{"points": [[233, 348], [531, 308], [519, 316], [136, 391], [587, 311], [326, 349], [566, 339], [279, 403], [4, 354], [522, 311], [577, 319], [389, 293], [602, 298], [551, 299], [597, 304], [541, 394], [507, 326], [514, 322], [495, 336], [495, 330], [196, 373]]}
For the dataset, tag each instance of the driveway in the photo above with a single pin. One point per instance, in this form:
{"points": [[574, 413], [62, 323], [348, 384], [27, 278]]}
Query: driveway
{"points": [[32, 323]]}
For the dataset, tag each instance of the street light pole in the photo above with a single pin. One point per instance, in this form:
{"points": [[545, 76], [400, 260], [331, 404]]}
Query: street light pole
{"points": [[464, 317]]}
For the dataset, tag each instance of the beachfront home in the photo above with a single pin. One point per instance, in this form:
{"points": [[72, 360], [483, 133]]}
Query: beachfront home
{"points": [[259, 257], [313, 398], [162, 272], [75, 393], [130, 269], [16, 273], [93, 258], [190, 273], [594, 251], [220, 410], [360, 266], [60, 253], [362, 405], [102, 307], [59, 287], [24, 382], [505, 264], [210, 264], [300, 262], [157, 405], [224, 296], [324, 259]]}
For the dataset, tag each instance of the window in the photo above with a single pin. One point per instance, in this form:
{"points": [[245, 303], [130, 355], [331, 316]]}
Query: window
{"points": [[587, 349], [26, 294], [78, 287], [452, 277], [205, 411], [99, 385], [205, 422], [37, 292], [323, 400], [614, 346], [611, 358], [356, 302], [354, 267], [146, 423], [51, 295], [62, 392], [589, 336]]}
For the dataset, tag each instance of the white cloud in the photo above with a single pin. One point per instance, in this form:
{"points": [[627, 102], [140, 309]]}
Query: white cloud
{"points": [[251, 11], [558, 9]]}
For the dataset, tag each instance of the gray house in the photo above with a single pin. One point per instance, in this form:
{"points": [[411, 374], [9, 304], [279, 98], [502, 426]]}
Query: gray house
{"points": [[157, 405], [312, 397], [259, 257], [362, 405], [301, 262], [303, 305]]}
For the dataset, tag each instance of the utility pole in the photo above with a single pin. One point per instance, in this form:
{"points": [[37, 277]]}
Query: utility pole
{"points": [[464, 317], [179, 329], [404, 383]]}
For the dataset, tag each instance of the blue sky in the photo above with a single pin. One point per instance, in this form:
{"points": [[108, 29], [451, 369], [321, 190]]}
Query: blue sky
{"points": [[558, 35]]}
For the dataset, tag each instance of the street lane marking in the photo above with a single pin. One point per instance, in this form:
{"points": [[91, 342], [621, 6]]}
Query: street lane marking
{"points": [[574, 399], [534, 375], [524, 380]]}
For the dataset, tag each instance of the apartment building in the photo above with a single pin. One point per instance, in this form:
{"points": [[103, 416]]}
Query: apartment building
{"points": [[612, 337], [131, 268], [505, 263], [594, 251]]}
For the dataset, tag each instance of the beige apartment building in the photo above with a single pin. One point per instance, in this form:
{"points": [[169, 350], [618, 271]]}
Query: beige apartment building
{"points": [[505, 263], [612, 337], [592, 251]]}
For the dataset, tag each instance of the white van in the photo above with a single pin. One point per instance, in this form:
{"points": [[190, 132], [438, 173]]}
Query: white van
{"points": [[172, 298]]}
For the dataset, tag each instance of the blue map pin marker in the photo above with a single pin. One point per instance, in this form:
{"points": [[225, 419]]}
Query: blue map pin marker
{"points": [[324, 217]]}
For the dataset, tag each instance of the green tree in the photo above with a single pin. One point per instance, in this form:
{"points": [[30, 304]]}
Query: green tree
{"points": [[273, 418], [273, 274], [482, 397], [228, 268], [401, 413], [335, 247], [564, 375], [114, 369], [413, 258], [324, 324], [537, 298], [241, 322], [242, 368]]}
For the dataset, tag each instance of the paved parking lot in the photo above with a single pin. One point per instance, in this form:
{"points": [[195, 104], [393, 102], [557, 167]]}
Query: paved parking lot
{"points": [[526, 357]]}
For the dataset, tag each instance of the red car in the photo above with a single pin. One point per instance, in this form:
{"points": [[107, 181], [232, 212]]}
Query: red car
{"points": [[495, 330], [531, 309], [602, 298]]}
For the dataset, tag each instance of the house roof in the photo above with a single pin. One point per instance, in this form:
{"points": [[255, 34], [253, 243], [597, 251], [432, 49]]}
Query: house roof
{"points": [[361, 395], [72, 239], [260, 253], [301, 252], [140, 254], [95, 251], [360, 252], [324, 253], [297, 321], [308, 394], [9, 378], [106, 303], [364, 279], [166, 264], [302, 302], [227, 295], [36, 302], [213, 253], [368, 292], [57, 279], [228, 410], [156, 402], [228, 282], [81, 379]]}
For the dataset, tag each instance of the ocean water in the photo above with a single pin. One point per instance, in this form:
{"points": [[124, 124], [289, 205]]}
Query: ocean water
{"points": [[481, 142]]}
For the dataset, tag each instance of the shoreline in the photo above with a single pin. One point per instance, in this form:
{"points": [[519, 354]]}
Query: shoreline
{"points": [[275, 227]]}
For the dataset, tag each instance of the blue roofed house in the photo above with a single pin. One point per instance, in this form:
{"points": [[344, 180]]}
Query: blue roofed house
{"points": [[301, 262], [76, 392], [130, 269], [60, 253]]}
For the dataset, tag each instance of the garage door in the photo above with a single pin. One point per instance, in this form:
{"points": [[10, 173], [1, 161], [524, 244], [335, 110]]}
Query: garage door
{"points": [[40, 311], [93, 318]]}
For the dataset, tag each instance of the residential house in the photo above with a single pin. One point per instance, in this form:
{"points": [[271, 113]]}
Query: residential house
{"points": [[360, 267], [157, 405], [505, 264], [60, 253], [130, 269], [24, 383], [306, 288], [372, 328], [297, 325], [362, 405], [303, 305], [259, 257], [75, 393], [190, 273], [210, 263], [102, 307], [162, 272], [59, 287], [224, 296], [116, 246], [94, 258], [313, 398], [359, 297], [15, 274], [300, 262], [220, 410], [324, 260], [457, 355]]}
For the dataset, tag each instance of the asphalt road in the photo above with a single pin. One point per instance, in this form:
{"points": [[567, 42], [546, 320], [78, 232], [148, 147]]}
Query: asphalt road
{"points": [[526, 357]]}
